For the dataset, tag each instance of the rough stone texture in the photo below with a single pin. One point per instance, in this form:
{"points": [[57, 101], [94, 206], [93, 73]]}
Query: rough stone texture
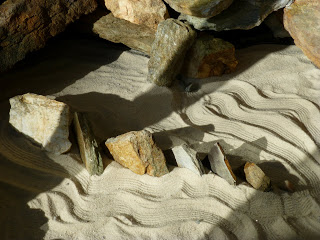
{"points": [[242, 14], [186, 158], [26, 25], [88, 145], [173, 39], [43, 120], [199, 8], [209, 57], [302, 20], [146, 12], [220, 164], [275, 22], [117, 30], [137, 151], [256, 177]]}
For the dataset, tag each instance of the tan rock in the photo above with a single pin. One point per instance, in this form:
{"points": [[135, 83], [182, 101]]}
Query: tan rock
{"points": [[256, 177], [145, 12], [302, 20], [43, 120], [209, 57], [137, 151]]}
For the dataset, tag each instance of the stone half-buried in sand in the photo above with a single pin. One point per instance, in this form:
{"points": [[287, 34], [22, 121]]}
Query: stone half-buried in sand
{"points": [[209, 56], [256, 177], [43, 120], [137, 151]]}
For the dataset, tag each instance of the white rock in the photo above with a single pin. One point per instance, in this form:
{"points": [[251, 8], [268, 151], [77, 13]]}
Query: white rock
{"points": [[43, 120]]}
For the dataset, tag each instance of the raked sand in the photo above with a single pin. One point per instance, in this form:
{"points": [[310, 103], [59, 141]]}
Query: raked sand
{"points": [[266, 112]]}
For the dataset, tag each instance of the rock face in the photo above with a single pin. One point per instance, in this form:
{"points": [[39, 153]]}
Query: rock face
{"points": [[242, 14], [256, 177], [302, 20], [220, 164], [145, 12], [186, 158], [88, 145], [139, 37], [26, 25], [173, 39], [199, 8], [137, 151], [209, 57], [43, 120]]}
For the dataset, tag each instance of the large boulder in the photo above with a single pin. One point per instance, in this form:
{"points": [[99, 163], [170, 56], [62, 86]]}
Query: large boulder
{"points": [[302, 20], [26, 25]]}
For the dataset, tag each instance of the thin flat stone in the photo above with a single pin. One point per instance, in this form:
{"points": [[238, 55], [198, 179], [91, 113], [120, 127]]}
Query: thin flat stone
{"points": [[186, 157], [88, 145], [256, 177]]}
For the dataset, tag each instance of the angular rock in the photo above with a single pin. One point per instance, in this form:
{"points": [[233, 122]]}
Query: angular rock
{"points": [[186, 158], [220, 164], [275, 22], [256, 177], [199, 8], [302, 20], [139, 37], [88, 145], [43, 120], [173, 39], [242, 14], [137, 151], [145, 12], [26, 25], [209, 57]]}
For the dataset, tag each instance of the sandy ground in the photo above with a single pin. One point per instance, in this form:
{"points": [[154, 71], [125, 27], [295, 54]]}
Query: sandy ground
{"points": [[266, 112]]}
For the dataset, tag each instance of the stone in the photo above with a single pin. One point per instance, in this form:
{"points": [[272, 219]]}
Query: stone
{"points": [[199, 8], [43, 120], [137, 151], [88, 145], [186, 157], [275, 23], [139, 37], [145, 12], [220, 164], [302, 20], [242, 14], [26, 25], [256, 177], [173, 39], [209, 57]]}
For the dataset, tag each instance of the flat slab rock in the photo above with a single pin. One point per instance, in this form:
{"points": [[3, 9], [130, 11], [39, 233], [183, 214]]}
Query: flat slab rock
{"points": [[242, 14], [137, 151], [88, 145], [302, 20], [144, 12], [173, 39], [139, 37], [199, 8], [43, 120]]}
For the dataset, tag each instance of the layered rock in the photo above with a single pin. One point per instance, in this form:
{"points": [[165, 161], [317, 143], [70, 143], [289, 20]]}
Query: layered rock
{"points": [[88, 145], [145, 12], [139, 37], [242, 14], [302, 20], [209, 57], [256, 177], [43, 120], [199, 8], [26, 25], [137, 151], [173, 39]]}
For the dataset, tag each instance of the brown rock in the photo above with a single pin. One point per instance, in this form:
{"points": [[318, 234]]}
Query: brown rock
{"points": [[145, 12], [256, 177], [302, 20], [26, 25], [137, 151], [139, 37], [209, 57]]}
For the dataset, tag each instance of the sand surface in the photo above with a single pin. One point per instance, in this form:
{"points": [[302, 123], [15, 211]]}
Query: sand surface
{"points": [[266, 112]]}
